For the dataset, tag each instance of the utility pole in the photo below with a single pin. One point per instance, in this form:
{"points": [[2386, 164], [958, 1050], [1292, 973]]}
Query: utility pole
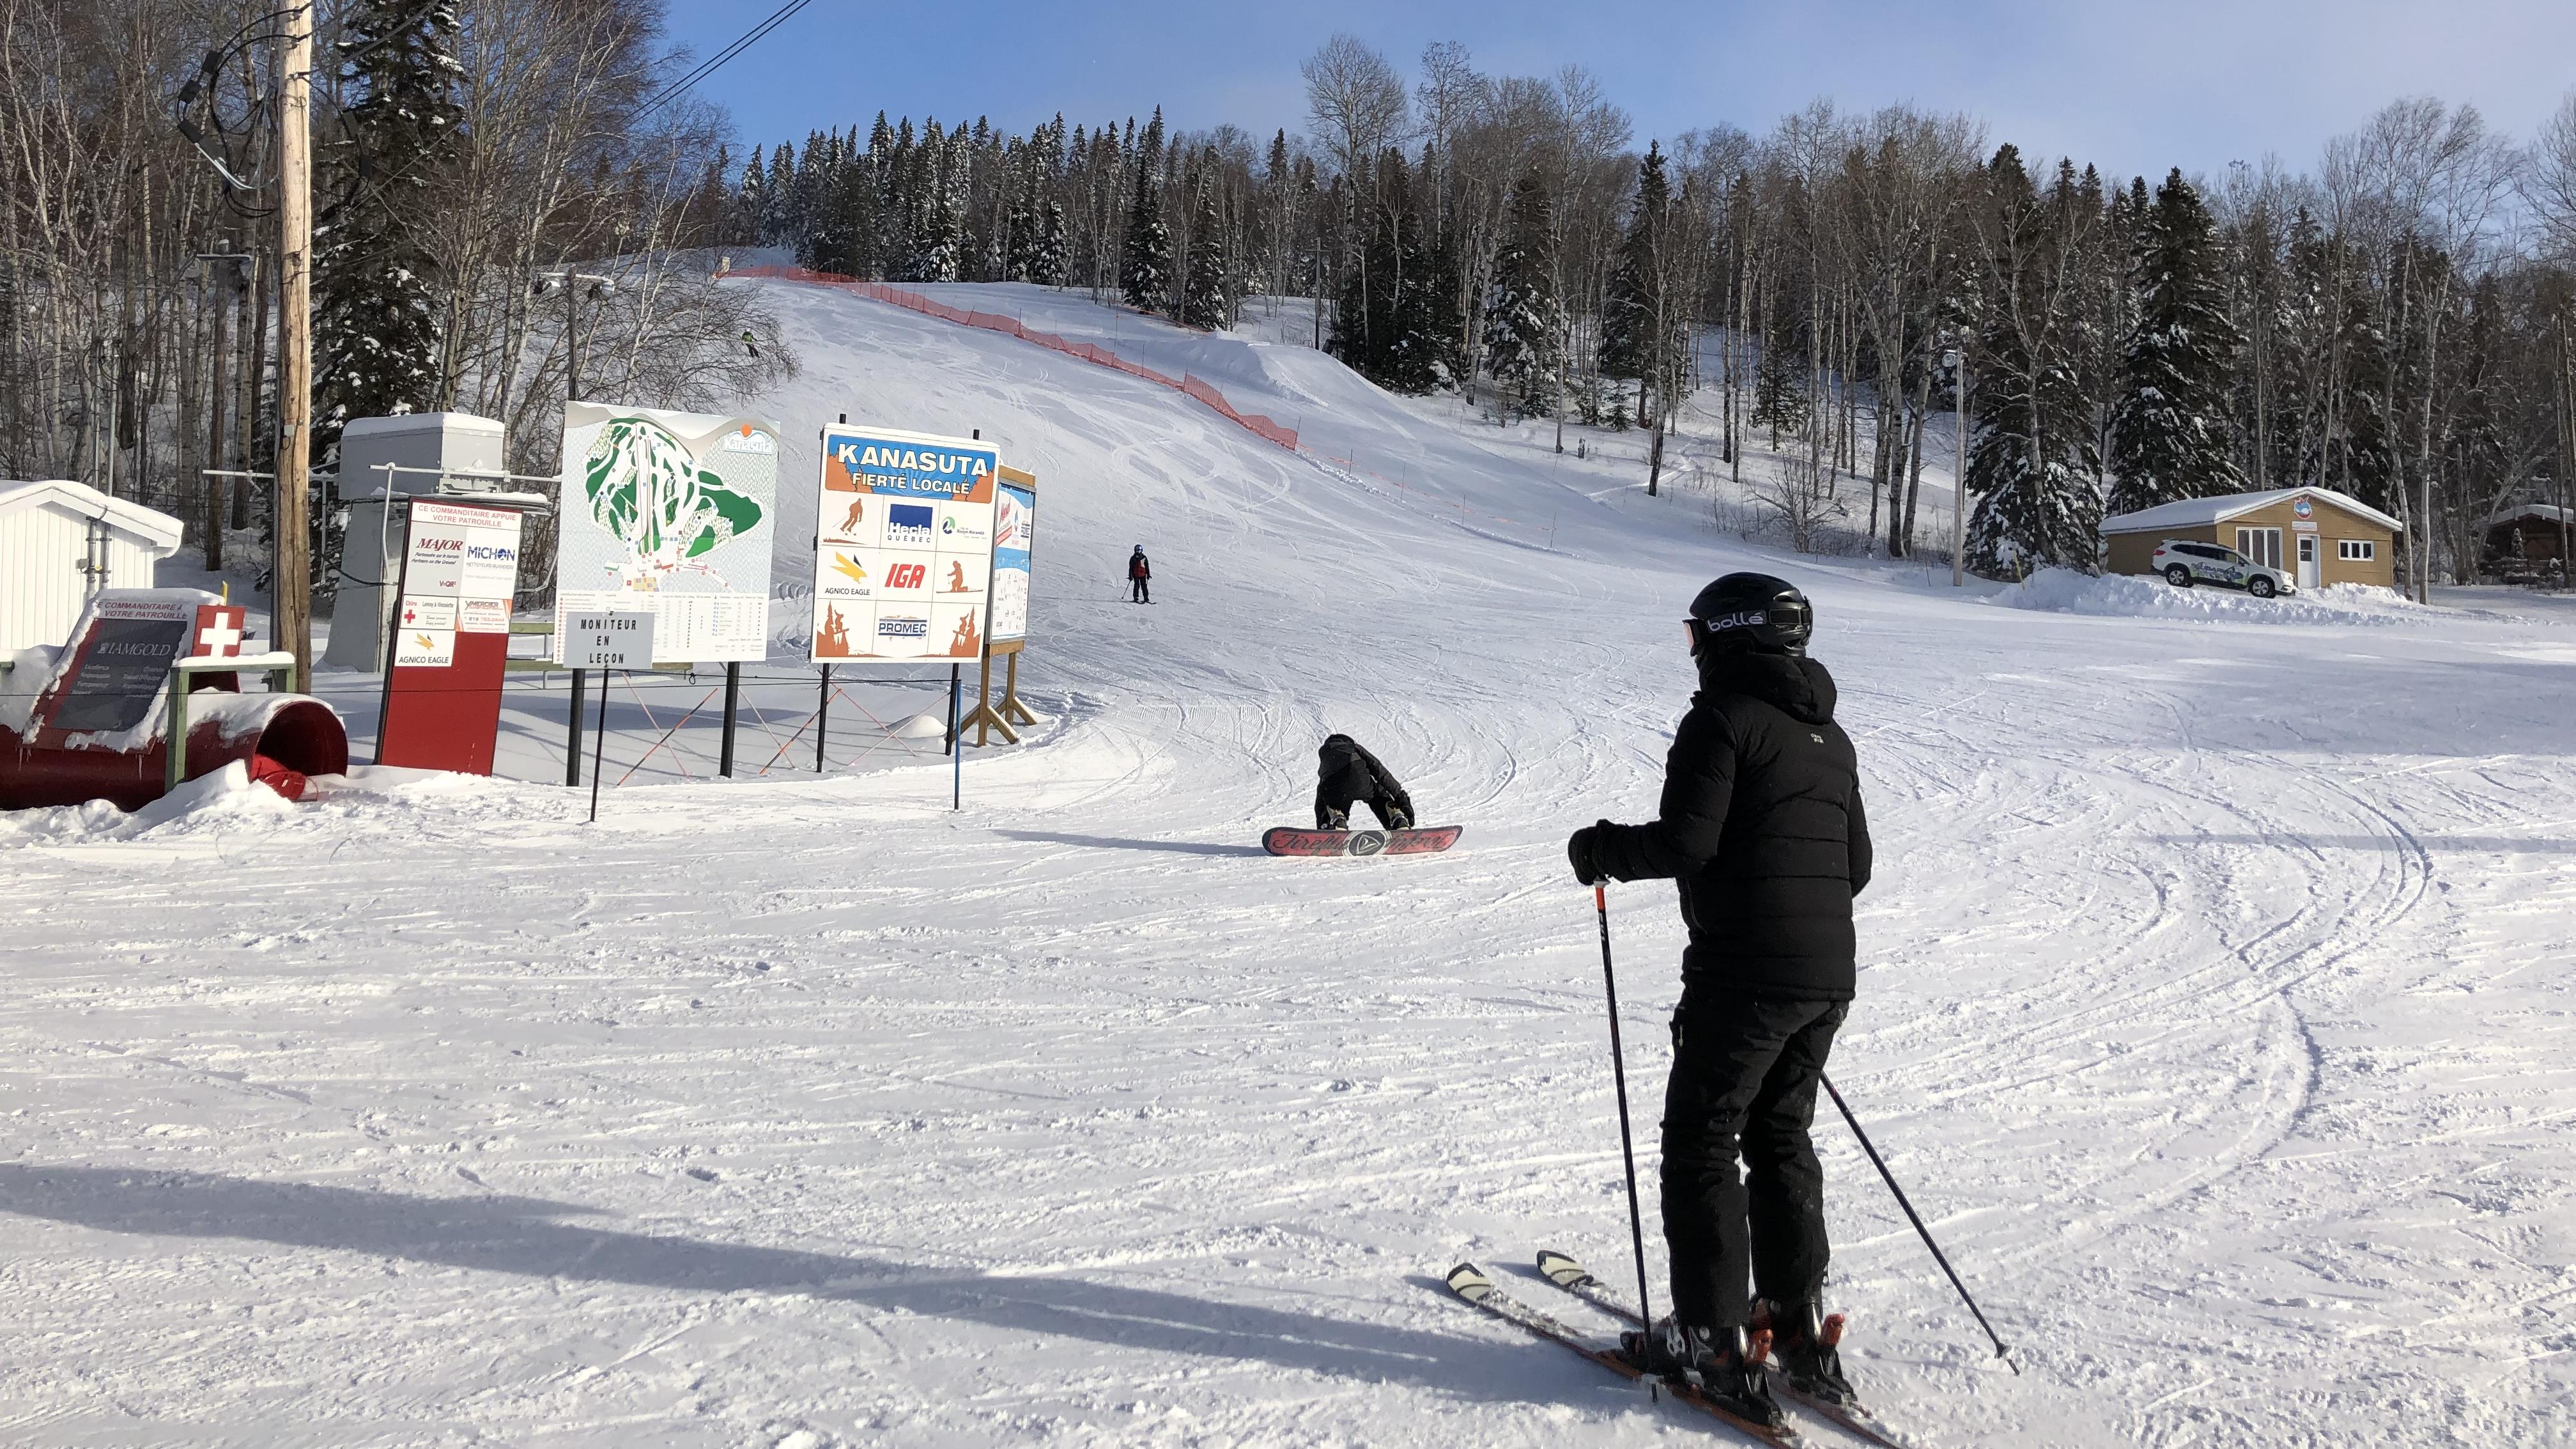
{"points": [[292, 628]]}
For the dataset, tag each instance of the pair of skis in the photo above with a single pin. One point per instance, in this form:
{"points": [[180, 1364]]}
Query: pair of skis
{"points": [[1470, 1283]]}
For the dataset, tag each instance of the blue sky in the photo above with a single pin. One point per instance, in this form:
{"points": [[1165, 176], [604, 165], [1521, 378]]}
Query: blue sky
{"points": [[2137, 86]]}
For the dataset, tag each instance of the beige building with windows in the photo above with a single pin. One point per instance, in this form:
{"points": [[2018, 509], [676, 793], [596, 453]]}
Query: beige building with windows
{"points": [[2315, 535]]}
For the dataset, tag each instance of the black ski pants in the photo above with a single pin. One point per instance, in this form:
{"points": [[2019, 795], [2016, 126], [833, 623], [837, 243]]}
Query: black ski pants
{"points": [[1744, 1084], [1138, 591], [1339, 794]]}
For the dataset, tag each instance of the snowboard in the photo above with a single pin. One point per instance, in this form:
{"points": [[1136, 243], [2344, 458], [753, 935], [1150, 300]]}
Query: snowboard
{"points": [[1289, 840]]}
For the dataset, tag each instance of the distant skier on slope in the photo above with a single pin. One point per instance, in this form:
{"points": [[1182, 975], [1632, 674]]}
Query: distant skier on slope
{"points": [[1345, 774], [1139, 575], [1761, 825]]}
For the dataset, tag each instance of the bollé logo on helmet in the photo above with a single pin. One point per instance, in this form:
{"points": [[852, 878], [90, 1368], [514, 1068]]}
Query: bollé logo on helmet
{"points": [[1741, 619]]}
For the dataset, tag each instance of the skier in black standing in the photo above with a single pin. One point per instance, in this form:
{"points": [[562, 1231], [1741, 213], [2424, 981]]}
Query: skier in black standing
{"points": [[1345, 774], [1761, 827], [1139, 575]]}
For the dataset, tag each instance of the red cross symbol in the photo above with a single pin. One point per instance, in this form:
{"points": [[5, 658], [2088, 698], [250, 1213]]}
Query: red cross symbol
{"points": [[219, 632]]}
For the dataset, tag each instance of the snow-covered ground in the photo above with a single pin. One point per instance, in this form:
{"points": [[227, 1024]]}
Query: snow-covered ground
{"points": [[2215, 1005]]}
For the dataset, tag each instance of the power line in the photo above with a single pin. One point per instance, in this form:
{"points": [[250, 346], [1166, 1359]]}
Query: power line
{"points": [[708, 67]]}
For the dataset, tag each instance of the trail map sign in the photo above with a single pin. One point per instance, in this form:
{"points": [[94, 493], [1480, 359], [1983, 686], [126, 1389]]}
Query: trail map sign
{"points": [[1015, 532], [903, 557], [451, 637], [672, 513]]}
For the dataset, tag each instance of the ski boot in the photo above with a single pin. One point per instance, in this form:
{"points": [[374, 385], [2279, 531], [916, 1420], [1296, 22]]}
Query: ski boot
{"points": [[1809, 1357], [1723, 1363]]}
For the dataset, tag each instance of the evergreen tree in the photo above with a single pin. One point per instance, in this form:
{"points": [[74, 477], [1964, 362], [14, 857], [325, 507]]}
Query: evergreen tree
{"points": [[2170, 432], [1636, 320], [1145, 263], [1208, 301], [1779, 382], [775, 197], [1427, 320], [2034, 460], [1524, 319], [750, 199], [1365, 325], [1046, 266], [375, 317]]}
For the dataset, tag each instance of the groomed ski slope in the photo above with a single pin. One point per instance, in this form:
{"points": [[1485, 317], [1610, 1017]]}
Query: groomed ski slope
{"points": [[2215, 1007]]}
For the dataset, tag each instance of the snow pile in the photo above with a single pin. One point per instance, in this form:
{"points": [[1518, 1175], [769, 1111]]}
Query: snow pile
{"points": [[924, 726], [2065, 591], [220, 801]]}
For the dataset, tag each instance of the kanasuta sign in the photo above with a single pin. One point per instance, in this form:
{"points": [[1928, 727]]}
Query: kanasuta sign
{"points": [[903, 550]]}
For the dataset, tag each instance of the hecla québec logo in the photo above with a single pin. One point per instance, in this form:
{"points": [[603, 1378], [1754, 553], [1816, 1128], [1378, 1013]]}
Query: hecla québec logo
{"points": [[908, 523]]}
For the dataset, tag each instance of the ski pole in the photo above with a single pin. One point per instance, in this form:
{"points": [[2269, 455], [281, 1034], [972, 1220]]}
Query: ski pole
{"points": [[1917, 1219], [1619, 1075]]}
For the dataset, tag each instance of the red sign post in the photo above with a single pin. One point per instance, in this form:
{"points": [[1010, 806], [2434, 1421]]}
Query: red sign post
{"points": [[450, 641]]}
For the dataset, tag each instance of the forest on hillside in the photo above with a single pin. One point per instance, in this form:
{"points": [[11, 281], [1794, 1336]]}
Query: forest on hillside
{"points": [[513, 210]]}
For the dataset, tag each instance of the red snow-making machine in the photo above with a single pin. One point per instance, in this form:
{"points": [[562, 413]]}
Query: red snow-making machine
{"points": [[145, 695]]}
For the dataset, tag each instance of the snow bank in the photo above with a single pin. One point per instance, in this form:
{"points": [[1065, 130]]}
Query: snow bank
{"points": [[2064, 591], [225, 799]]}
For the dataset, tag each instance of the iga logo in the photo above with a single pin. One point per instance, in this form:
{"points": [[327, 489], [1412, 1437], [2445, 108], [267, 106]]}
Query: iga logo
{"points": [[908, 523], [897, 627], [906, 575]]}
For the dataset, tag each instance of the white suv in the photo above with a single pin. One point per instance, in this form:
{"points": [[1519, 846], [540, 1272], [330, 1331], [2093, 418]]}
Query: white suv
{"points": [[2184, 563]]}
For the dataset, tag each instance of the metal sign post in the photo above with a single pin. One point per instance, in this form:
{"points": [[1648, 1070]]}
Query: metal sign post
{"points": [[605, 640]]}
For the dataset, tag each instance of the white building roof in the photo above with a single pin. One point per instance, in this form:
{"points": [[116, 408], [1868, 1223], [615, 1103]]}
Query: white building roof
{"points": [[2202, 512], [158, 532]]}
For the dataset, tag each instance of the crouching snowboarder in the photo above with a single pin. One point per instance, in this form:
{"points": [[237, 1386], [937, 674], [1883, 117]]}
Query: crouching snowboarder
{"points": [[1346, 774], [1761, 826]]}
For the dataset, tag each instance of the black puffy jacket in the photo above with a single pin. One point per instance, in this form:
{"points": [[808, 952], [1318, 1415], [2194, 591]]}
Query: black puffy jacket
{"points": [[1345, 772], [1762, 827]]}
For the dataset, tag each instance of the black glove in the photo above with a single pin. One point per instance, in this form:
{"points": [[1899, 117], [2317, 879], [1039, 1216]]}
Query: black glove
{"points": [[1582, 851]]}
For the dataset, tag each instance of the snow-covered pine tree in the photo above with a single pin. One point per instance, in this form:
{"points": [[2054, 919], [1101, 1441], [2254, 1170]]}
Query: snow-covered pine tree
{"points": [[1427, 323], [1524, 319], [1046, 266], [2033, 460], [2170, 433], [1779, 382], [776, 196], [750, 199], [1207, 301], [1633, 308], [1145, 262], [375, 316], [1364, 314]]}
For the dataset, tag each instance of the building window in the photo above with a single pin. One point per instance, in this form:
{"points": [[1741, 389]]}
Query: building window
{"points": [[2356, 550], [2260, 545]]}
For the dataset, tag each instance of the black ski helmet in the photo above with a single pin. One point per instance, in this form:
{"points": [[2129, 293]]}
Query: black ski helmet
{"points": [[1752, 610]]}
